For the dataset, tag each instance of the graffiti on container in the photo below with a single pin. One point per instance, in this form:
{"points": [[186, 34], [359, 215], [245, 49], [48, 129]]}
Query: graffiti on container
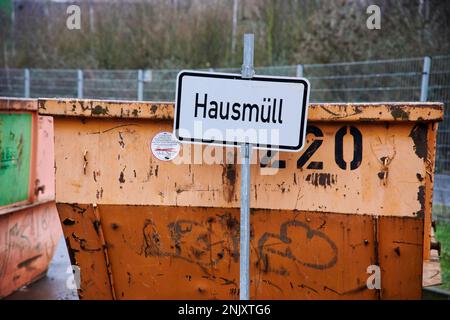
{"points": [[292, 249], [193, 241], [21, 239]]}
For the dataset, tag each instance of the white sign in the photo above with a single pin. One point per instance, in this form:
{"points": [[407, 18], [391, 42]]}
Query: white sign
{"points": [[225, 109], [165, 147]]}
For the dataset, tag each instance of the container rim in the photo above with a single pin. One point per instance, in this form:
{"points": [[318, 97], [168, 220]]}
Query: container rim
{"points": [[157, 110]]}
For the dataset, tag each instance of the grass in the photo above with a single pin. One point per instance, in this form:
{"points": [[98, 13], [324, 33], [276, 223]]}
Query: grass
{"points": [[443, 236]]}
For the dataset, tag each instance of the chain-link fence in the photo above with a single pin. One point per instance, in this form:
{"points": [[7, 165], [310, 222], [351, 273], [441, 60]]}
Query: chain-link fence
{"points": [[387, 80], [394, 80], [415, 79]]}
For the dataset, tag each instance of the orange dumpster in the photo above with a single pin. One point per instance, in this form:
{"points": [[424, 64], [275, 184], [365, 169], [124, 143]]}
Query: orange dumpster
{"points": [[144, 226], [29, 223]]}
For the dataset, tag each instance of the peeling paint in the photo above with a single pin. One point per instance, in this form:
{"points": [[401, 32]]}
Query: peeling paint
{"points": [[321, 179], [99, 110], [121, 177], [68, 222], [399, 113], [419, 137], [421, 199]]}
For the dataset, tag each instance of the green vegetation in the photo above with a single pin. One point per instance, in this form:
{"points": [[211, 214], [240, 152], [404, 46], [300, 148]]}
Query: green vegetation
{"points": [[443, 236], [198, 33]]}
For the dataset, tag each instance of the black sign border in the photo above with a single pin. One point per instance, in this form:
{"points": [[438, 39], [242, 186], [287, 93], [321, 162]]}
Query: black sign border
{"points": [[238, 77]]}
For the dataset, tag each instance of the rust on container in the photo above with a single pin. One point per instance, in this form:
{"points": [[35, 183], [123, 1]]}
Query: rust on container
{"points": [[155, 252], [29, 223], [18, 104], [392, 111], [359, 194], [107, 109]]}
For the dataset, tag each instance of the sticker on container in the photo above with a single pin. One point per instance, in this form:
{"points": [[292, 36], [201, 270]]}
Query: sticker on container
{"points": [[165, 147]]}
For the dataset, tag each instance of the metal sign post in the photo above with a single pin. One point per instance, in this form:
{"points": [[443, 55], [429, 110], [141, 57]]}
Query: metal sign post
{"points": [[247, 72], [217, 109]]}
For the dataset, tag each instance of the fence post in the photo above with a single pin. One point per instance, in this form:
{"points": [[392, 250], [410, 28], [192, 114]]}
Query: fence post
{"points": [[80, 84], [425, 79], [140, 85], [299, 71], [26, 84]]}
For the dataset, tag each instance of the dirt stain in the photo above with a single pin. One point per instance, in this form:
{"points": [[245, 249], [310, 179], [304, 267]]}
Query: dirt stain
{"points": [[229, 181]]}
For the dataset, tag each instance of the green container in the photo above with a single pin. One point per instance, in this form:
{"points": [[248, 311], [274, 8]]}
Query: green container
{"points": [[15, 157]]}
